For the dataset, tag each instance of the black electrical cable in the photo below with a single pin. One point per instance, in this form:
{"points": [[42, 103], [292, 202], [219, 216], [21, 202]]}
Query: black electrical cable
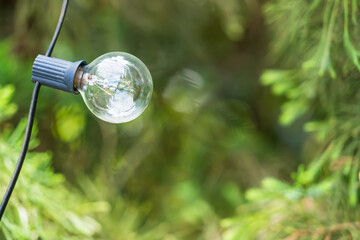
{"points": [[31, 116], [58, 28]]}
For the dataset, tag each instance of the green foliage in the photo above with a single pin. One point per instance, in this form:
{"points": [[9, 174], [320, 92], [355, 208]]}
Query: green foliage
{"points": [[277, 210], [317, 79], [317, 87], [41, 207], [7, 109], [188, 167], [69, 123]]}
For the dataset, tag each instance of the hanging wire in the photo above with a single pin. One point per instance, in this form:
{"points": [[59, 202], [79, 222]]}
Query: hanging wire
{"points": [[31, 116]]}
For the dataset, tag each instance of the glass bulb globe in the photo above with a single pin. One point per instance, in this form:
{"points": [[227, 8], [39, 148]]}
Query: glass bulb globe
{"points": [[116, 86]]}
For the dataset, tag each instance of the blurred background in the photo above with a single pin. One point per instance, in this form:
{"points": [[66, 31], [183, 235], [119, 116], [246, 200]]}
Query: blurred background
{"points": [[188, 167]]}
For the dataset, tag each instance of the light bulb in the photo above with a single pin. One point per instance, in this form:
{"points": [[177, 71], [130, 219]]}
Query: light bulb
{"points": [[116, 87]]}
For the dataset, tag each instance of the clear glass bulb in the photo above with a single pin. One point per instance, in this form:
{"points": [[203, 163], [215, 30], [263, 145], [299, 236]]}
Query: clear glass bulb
{"points": [[116, 86]]}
